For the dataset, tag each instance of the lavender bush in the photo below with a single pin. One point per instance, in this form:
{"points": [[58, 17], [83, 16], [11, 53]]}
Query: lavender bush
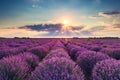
{"points": [[58, 45], [57, 53], [112, 52], [74, 52], [40, 51], [30, 58], [9, 52], [88, 60], [57, 69], [13, 68], [107, 70], [95, 48]]}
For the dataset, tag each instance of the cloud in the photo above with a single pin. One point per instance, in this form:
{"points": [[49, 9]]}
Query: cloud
{"points": [[111, 25], [77, 28], [116, 25], [86, 32], [35, 6], [41, 27], [16, 32], [109, 14], [106, 29], [93, 17], [50, 27], [97, 28], [57, 30], [36, 3], [113, 13], [102, 14], [92, 30], [54, 29]]}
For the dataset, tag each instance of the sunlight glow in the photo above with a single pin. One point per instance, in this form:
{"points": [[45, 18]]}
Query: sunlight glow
{"points": [[65, 22], [66, 26]]}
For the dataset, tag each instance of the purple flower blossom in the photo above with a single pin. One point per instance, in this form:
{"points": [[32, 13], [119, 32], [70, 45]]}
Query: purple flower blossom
{"points": [[40, 51], [107, 70], [30, 58], [13, 68], [95, 48], [9, 52], [112, 52], [57, 53], [57, 69], [88, 59], [58, 45]]}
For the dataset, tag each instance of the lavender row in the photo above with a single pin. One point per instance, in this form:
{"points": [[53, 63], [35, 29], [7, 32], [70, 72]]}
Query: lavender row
{"points": [[60, 59]]}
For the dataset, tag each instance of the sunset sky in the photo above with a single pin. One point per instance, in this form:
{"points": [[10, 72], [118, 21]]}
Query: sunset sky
{"points": [[42, 18]]}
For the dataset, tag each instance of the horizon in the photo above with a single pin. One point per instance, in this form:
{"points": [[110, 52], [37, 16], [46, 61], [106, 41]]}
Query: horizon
{"points": [[59, 18]]}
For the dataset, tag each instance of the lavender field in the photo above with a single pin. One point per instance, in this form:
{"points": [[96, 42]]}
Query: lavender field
{"points": [[59, 59], [59, 39]]}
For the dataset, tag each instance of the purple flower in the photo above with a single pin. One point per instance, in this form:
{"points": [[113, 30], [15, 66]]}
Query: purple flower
{"points": [[58, 45], [73, 51], [30, 58], [107, 70], [57, 69], [57, 53], [87, 60], [40, 51], [112, 52], [13, 68], [95, 48], [9, 52]]}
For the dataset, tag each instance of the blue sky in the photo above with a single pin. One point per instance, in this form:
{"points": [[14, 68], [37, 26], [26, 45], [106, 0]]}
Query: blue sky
{"points": [[92, 14]]}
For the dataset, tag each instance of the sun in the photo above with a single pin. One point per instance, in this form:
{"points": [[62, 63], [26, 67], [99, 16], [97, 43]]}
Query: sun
{"points": [[66, 26], [65, 22]]}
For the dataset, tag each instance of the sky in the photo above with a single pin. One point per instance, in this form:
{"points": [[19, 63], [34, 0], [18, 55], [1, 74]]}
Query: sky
{"points": [[59, 18]]}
